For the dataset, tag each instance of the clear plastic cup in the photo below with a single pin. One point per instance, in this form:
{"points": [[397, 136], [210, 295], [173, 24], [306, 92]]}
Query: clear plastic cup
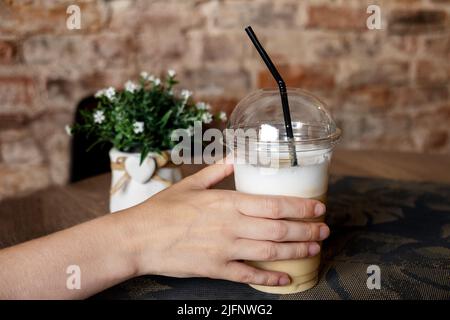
{"points": [[256, 137]]}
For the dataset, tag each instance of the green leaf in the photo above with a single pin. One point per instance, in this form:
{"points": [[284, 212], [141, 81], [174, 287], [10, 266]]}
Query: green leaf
{"points": [[93, 145], [165, 118], [145, 151]]}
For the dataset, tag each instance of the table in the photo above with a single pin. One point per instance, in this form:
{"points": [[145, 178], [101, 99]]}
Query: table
{"points": [[59, 207]]}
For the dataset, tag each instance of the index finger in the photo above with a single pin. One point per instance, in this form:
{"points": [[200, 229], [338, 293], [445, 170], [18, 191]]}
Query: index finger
{"points": [[278, 207]]}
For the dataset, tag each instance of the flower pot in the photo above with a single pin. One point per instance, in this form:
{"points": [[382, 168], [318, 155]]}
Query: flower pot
{"points": [[133, 183]]}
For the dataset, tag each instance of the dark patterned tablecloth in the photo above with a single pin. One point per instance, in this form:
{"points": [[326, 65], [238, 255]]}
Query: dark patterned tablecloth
{"points": [[402, 227]]}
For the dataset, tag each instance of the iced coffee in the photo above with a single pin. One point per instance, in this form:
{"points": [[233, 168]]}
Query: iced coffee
{"points": [[263, 164]]}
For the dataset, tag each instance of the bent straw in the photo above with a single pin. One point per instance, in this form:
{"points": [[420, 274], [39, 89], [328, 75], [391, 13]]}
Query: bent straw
{"points": [[283, 92]]}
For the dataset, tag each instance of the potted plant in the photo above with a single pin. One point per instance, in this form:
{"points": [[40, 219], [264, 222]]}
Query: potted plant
{"points": [[138, 121]]}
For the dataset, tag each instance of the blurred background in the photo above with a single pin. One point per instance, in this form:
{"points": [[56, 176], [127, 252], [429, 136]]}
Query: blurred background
{"points": [[387, 89]]}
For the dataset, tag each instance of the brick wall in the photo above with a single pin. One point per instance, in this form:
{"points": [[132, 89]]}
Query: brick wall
{"points": [[388, 89]]}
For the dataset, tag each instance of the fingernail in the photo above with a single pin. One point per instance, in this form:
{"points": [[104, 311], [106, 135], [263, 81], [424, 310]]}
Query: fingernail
{"points": [[284, 280], [319, 209], [313, 249], [324, 232]]}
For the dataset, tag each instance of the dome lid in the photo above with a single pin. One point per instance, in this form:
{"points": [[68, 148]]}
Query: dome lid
{"points": [[312, 124]]}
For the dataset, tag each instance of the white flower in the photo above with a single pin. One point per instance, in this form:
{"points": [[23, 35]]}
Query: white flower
{"points": [[144, 75], [100, 93], [207, 117], [171, 73], [223, 116], [138, 127], [130, 86], [202, 106], [148, 77], [99, 116], [110, 93], [156, 81], [68, 130], [186, 94]]}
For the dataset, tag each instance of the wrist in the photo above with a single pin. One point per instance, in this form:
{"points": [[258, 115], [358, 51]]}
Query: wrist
{"points": [[134, 236], [124, 244]]}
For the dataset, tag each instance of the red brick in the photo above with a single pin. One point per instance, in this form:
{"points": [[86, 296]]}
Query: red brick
{"points": [[433, 118], [337, 18], [11, 121], [221, 103], [376, 131], [417, 96], [170, 47], [97, 80], [260, 14], [417, 21], [331, 45], [59, 89], [312, 77], [23, 151], [435, 140], [18, 180], [16, 90], [8, 51], [217, 81], [389, 132], [368, 97], [406, 44], [438, 47], [368, 72], [432, 73], [222, 47], [49, 131], [69, 55], [137, 17], [175, 15], [398, 142], [431, 129]]}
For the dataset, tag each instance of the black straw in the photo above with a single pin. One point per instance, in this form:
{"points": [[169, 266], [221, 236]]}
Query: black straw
{"points": [[283, 91]]}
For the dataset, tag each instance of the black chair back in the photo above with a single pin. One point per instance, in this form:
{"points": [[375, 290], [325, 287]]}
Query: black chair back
{"points": [[85, 164]]}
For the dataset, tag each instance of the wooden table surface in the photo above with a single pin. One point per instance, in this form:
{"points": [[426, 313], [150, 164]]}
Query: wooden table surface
{"points": [[59, 207]]}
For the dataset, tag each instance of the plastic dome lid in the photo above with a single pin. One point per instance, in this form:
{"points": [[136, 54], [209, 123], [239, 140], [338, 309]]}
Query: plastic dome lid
{"points": [[312, 124]]}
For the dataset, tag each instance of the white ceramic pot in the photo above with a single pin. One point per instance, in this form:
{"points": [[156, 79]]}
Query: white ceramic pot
{"points": [[133, 183]]}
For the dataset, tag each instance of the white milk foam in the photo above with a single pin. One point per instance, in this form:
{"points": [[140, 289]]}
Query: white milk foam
{"points": [[309, 179]]}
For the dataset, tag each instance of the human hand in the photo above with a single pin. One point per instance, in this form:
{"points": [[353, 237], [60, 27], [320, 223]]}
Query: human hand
{"points": [[190, 230]]}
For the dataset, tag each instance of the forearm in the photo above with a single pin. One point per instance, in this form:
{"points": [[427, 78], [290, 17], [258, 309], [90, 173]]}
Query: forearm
{"points": [[102, 248]]}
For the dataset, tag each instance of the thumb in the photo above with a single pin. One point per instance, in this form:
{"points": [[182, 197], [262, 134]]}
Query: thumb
{"points": [[210, 176]]}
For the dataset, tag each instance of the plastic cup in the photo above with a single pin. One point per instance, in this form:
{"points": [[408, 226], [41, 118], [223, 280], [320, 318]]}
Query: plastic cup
{"points": [[262, 163]]}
